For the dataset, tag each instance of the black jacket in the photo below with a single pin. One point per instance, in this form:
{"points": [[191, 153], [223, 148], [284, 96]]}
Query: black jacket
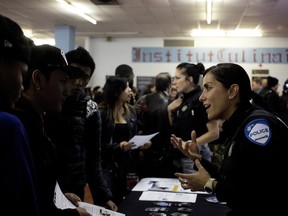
{"points": [[109, 148], [76, 132], [98, 186], [254, 162], [45, 157], [154, 118], [190, 115]]}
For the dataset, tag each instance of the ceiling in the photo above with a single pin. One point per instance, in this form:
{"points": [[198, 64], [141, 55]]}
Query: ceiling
{"points": [[148, 18]]}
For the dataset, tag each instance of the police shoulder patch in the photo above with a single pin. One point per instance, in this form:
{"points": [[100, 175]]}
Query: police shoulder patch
{"points": [[258, 131]]}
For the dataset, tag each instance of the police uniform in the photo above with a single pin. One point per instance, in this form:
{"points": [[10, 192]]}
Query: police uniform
{"points": [[190, 115], [254, 164]]}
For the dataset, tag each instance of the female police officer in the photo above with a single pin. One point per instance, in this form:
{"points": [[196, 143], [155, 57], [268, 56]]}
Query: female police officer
{"points": [[251, 177]]}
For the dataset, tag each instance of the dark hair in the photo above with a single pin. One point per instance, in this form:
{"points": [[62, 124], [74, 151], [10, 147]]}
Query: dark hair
{"points": [[192, 70], [163, 81], [81, 56], [125, 71], [112, 89], [230, 73]]}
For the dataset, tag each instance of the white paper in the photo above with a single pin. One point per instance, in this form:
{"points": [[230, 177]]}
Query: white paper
{"points": [[140, 140], [63, 203], [162, 184], [98, 210], [60, 200], [168, 196]]}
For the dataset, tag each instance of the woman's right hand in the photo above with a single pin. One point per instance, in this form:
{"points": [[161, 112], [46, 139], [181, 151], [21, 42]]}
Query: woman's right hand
{"points": [[126, 146], [188, 148]]}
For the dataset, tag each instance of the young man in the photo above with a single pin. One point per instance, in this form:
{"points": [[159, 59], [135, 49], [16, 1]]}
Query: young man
{"points": [[45, 89], [16, 164], [126, 71], [76, 133]]}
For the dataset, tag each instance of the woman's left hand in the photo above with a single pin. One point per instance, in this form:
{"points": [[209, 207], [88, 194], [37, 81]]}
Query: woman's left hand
{"points": [[194, 181]]}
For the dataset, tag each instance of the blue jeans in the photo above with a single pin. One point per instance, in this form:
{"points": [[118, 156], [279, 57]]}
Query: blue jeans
{"points": [[187, 164]]}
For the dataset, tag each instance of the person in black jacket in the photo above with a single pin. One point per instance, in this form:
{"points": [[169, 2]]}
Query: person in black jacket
{"points": [[187, 113], [45, 89], [152, 116], [119, 125], [271, 98], [76, 132], [250, 178], [284, 103], [18, 179]]}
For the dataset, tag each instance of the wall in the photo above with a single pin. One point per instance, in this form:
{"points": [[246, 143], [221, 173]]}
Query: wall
{"points": [[108, 54]]}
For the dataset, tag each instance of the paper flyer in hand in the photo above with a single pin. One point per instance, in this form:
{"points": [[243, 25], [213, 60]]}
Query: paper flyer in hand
{"points": [[63, 203], [140, 140]]}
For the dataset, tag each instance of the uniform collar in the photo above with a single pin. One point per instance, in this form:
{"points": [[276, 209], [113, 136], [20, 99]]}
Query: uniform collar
{"points": [[232, 124]]}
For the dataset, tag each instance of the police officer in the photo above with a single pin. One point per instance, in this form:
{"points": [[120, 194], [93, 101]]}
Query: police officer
{"points": [[251, 178], [187, 113]]}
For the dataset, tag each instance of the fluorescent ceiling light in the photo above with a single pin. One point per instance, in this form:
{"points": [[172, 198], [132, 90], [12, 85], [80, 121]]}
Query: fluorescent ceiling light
{"points": [[207, 33], [116, 33], [209, 11], [75, 10], [28, 33], [38, 41], [50, 41], [244, 33], [222, 33]]}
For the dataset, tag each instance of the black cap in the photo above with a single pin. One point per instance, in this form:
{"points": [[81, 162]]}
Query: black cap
{"points": [[13, 43], [271, 81], [47, 56]]}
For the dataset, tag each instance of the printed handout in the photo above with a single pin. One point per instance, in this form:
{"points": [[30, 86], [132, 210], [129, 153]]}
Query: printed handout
{"points": [[168, 196], [162, 184], [63, 203], [140, 140]]}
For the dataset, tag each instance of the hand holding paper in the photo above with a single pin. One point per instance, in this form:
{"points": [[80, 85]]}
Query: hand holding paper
{"points": [[140, 140]]}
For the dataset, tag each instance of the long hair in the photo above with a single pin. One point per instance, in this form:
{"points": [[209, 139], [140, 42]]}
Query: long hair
{"points": [[112, 90]]}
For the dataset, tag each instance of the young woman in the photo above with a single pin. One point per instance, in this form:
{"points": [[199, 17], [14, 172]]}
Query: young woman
{"points": [[187, 113], [119, 125], [250, 178]]}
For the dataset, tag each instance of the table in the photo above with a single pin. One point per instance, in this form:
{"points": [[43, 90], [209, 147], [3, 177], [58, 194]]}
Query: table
{"points": [[132, 206]]}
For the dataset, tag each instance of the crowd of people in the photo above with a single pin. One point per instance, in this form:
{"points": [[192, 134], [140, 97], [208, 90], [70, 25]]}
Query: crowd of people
{"points": [[54, 130]]}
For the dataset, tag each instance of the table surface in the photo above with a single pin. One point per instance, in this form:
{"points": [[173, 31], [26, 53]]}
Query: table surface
{"points": [[132, 206]]}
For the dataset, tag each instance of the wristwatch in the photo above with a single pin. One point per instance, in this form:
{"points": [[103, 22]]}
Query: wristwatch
{"points": [[208, 187]]}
